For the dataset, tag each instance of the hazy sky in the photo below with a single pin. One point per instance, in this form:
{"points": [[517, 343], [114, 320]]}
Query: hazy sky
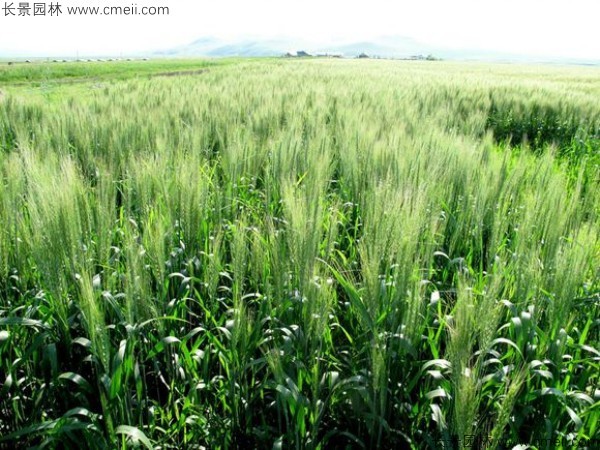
{"points": [[538, 27]]}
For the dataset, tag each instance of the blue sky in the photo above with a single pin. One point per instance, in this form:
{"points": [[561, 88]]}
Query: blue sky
{"points": [[529, 27]]}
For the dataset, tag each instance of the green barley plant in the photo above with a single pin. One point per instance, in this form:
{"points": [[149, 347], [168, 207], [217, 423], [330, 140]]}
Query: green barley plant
{"points": [[316, 254]]}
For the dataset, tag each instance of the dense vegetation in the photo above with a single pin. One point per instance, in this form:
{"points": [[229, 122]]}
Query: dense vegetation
{"points": [[49, 74], [300, 255]]}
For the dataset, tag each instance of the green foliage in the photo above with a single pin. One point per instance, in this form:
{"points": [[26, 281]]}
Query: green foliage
{"points": [[40, 73], [300, 254]]}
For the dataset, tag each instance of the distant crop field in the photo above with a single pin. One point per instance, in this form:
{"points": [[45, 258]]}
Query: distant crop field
{"points": [[299, 254]]}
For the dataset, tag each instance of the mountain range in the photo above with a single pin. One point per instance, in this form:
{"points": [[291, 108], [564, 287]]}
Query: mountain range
{"points": [[384, 47]]}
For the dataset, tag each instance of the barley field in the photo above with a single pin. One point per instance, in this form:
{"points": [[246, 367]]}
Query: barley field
{"points": [[299, 254]]}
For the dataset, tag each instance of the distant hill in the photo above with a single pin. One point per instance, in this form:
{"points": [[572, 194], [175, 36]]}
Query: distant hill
{"points": [[210, 46], [391, 46], [387, 47], [384, 47]]}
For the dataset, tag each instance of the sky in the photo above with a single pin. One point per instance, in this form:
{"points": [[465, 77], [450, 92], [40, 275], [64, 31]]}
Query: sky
{"points": [[525, 27]]}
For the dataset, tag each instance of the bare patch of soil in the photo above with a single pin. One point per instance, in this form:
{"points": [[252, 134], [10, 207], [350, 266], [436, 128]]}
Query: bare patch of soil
{"points": [[181, 73]]}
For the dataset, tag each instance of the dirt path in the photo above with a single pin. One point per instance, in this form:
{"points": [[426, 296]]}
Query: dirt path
{"points": [[180, 73]]}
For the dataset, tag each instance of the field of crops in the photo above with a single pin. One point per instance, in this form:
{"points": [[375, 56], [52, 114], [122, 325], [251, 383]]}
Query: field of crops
{"points": [[299, 254]]}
